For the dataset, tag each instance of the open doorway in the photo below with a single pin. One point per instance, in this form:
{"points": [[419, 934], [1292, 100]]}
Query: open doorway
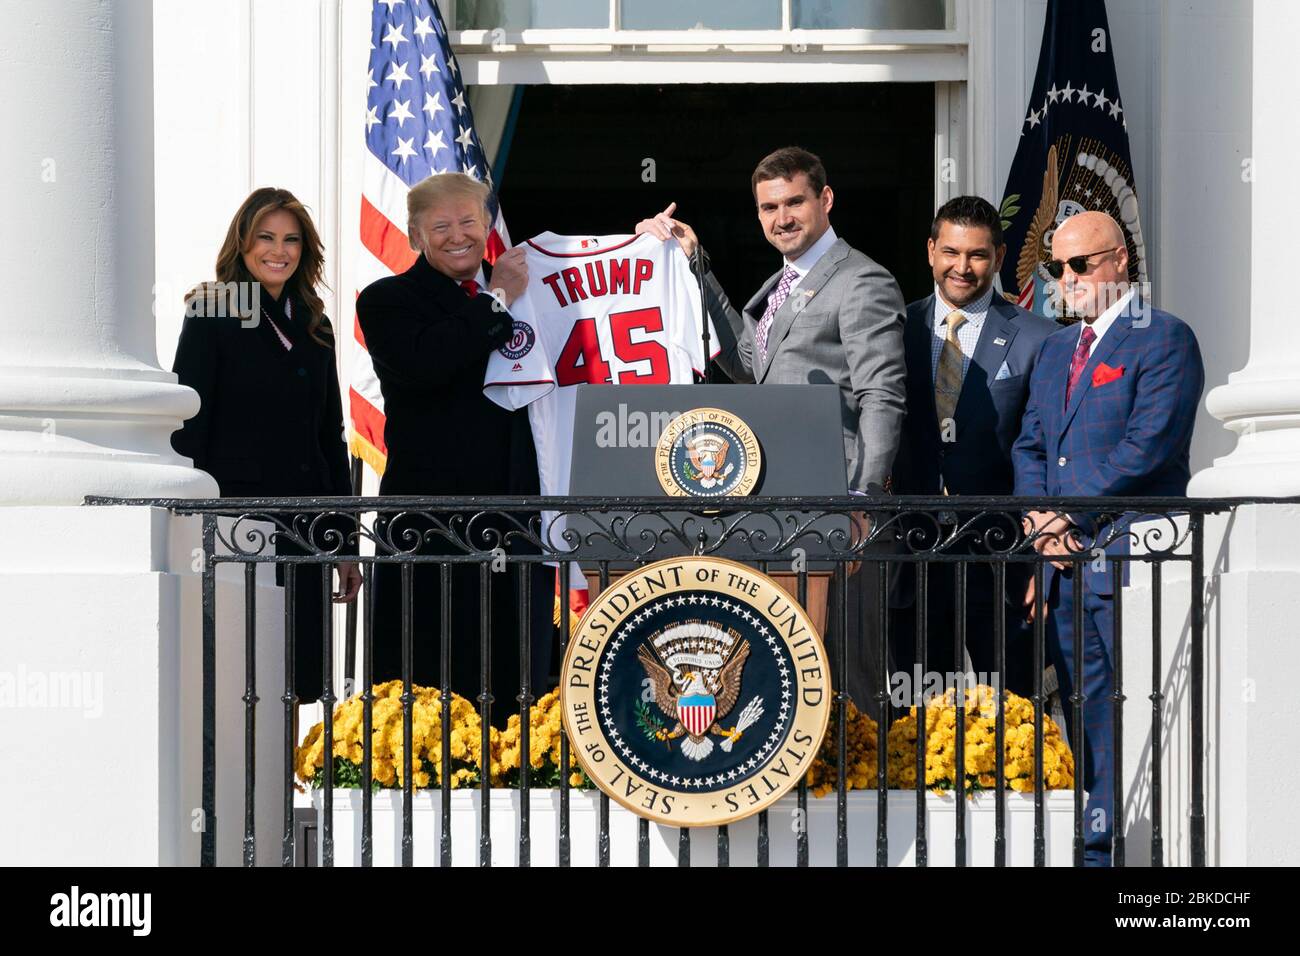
{"points": [[577, 156]]}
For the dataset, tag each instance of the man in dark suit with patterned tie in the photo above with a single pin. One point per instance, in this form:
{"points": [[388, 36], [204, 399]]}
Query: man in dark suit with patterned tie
{"points": [[969, 357], [1111, 406]]}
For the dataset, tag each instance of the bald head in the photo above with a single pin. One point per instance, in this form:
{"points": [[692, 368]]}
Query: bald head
{"points": [[1089, 291], [1092, 227]]}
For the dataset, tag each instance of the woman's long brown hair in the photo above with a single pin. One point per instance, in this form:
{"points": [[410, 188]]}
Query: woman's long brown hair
{"points": [[306, 278]]}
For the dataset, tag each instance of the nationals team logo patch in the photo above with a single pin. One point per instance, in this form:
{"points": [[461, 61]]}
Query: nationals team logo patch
{"points": [[521, 341], [708, 453], [696, 691]]}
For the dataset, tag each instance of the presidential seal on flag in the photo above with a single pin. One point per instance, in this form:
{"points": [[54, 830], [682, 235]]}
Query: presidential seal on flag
{"points": [[695, 691], [1072, 156]]}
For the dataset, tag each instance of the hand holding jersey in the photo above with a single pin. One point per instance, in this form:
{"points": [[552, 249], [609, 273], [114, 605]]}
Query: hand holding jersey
{"points": [[510, 275], [664, 226], [595, 310]]}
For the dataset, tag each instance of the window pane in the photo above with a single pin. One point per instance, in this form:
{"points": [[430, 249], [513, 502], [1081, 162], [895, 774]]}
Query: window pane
{"points": [[868, 14], [531, 14], [715, 15]]}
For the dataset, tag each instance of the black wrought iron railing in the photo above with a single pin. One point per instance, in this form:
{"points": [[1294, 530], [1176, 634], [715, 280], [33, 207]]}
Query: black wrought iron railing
{"points": [[801, 536]]}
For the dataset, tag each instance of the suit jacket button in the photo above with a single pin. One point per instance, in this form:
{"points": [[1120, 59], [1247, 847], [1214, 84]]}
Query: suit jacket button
{"points": [[1061, 461], [304, 467], [302, 373]]}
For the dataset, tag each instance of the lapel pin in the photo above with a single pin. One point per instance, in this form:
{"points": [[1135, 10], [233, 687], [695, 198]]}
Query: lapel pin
{"points": [[999, 341]]}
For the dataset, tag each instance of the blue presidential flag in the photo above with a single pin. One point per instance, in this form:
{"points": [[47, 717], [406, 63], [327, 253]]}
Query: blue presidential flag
{"points": [[1073, 154]]}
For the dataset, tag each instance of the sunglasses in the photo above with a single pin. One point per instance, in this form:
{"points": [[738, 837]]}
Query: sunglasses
{"points": [[1078, 264]]}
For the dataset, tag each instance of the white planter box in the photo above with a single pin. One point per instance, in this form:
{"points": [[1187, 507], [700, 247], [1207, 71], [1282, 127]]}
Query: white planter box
{"points": [[584, 829]]}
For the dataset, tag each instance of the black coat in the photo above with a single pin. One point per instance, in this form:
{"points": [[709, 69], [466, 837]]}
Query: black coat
{"points": [[430, 344], [270, 424]]}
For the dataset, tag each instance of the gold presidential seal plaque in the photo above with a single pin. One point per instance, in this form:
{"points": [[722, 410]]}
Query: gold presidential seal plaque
{"points": [[695, 691], [708, 453]]}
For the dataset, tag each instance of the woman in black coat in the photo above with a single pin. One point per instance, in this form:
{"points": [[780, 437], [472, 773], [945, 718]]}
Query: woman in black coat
{"points": [[429, 332], [257, 347]]}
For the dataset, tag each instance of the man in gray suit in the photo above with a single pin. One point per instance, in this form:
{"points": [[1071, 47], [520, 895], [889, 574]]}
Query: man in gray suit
{"points": [[829, 315]]}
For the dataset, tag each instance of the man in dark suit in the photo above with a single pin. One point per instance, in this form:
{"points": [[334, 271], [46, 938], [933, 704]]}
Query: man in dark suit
{"points": [[829, 315], [1112, 402], [429, 332], [969, 357]]}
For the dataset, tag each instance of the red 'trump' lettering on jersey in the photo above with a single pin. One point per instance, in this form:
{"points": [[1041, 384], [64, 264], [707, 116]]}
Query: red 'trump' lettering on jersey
{"points": [[603, 277]]}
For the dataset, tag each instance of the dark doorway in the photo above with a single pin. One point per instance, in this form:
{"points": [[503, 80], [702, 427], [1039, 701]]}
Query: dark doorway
{"points": [[577, 156]]}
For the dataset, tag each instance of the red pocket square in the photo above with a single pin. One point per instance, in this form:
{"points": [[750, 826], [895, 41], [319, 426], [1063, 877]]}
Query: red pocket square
{"points": [[1103, 373]]}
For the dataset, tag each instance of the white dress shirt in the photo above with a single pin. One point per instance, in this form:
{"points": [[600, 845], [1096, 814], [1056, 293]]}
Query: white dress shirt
{"points": [[968, 333], [1106, 319], [803, 265]]}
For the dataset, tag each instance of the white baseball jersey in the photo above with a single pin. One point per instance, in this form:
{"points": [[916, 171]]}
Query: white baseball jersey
{"points": [[598, 309]]}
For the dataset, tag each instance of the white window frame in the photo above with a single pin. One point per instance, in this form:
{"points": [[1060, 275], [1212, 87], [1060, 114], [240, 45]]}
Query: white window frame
{"points": [[956, 59], [503, 40]]}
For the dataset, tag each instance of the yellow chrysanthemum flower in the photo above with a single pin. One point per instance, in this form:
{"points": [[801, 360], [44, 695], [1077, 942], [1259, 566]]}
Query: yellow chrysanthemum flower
{"points": [[980, 743]]}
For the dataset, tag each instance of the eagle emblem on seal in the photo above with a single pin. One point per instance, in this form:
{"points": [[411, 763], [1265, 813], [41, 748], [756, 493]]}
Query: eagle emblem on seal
{"points": [[708, 455], [695, 670]]}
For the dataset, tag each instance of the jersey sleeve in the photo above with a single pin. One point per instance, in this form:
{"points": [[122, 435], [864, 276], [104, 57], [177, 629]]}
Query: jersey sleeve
{"points": [[520, 372], [687, 328]]}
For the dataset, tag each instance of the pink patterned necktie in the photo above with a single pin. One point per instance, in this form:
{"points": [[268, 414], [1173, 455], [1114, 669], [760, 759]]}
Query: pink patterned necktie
{"points": [[1086, 338], [774, 303]]}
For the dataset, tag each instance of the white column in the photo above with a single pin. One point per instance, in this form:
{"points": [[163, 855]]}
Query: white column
{"points": [[101, 637], [84, 408], [1261, 403], [1252, 595]]}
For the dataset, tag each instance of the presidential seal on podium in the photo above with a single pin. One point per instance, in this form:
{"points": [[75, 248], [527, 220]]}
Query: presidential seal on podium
{"points": [[695, 691], [708, 453]]}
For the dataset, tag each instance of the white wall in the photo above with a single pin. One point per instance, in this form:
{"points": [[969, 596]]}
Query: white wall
{"points": [[1185, 77], [101, 688], [260, 105]]}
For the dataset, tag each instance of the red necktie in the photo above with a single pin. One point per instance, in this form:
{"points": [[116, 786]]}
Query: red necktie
{"points": [[470, 287], [1086, 338]]}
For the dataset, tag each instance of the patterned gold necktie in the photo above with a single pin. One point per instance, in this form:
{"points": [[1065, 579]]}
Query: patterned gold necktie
{"points": [[947, 377]]}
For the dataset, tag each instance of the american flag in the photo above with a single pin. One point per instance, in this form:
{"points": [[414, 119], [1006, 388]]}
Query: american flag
{"points": [[418, 123]]}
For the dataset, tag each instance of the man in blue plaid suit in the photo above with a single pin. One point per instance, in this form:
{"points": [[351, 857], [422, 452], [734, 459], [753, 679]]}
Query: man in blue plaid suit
{"points": [[1111, 405]]}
